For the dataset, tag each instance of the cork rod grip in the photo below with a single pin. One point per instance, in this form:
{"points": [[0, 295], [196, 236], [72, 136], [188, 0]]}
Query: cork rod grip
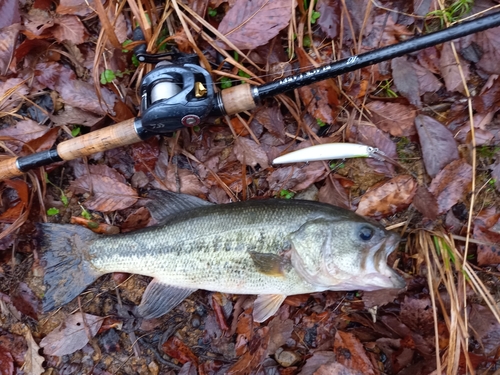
{"points": [[121, 134], [8, 169], [238, 99]]}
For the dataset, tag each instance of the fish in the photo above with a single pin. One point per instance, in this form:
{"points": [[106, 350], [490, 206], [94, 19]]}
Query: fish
{"points": [[270, 248]]}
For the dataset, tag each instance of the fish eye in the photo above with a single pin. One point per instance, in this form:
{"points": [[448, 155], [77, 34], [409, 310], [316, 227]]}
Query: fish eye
{"points": [[366, 233]]}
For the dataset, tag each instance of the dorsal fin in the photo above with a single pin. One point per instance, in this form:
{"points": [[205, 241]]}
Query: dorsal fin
{"points": [[165, 204]]}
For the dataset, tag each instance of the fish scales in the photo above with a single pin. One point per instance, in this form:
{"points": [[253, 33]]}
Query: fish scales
{"points": [[211, 248], [271, 248]]}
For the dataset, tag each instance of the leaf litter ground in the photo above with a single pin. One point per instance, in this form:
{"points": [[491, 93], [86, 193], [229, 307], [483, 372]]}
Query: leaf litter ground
{"points": [[56, 61]]}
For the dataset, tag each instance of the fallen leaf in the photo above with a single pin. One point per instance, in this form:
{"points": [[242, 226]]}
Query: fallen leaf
{"points": [[485, 329], [318, 359], [439, 148], [6, 362], [329, 20], [279, 333], [249, 24], [72, 115], [25, 131], [69, 28], [429, 59], [489, 98], [427, 81], [449, 69], [175, 348], [332, 192], [272, 119], [136, 220], [145, 155], [16, 345], [76, 7], [109, 194], [425, 203], [406, 80], [336, 369], [350, 352], [43, 143], [13, 90], [174, 179], [451, 184], [488, 42], [486, 230], [388, 197], [72, 335], [320, 98], [250, 153], [26, 301], [9, 13], [32, 361], [379, 297], [8, 39], [394, 118], [417, 314]]}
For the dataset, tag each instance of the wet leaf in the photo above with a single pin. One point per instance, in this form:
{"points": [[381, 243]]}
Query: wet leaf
{"points": [[272, 119], [72, 335], [175, 348], [69, 28], [336, 369], [249, 24], [451, 184], [9, 13], [321, 98], [145, 155], [26, 301], [351, 353], [417, 313], [394, 118], [425, 203], [450, 71], [6, 362], [486, 230], [427, 81], [489, 98], [485, 329], [8, 39], [488, 42], [32, 361], [439, 147], [406, 80], [329, 21], [13, 90], [318, 359], [136, 220], [334, 193], [388, 198], [279, 333], [109, 194], [76, 7], [250, 153]]}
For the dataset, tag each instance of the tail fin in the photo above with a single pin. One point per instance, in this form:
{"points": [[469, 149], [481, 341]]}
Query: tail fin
{"points": [[67, 262]]}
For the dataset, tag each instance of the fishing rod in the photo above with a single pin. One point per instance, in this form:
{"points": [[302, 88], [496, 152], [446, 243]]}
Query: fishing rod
{"points": [[180, 93]]}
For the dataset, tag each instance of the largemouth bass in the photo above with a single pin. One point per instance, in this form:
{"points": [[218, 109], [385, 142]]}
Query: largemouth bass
{"points": [[271, 248]]}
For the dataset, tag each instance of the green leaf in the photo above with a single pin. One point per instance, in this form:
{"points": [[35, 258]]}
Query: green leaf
{"points": [[75, 131], [241, 73], [52, 211], [212, 12], [306, 41], [135, 61], [320, 122], [314, 16], [225, 82], [86, 214], [107, 76], [286, 194], [64, 199], [126, 43], [92, 225]]}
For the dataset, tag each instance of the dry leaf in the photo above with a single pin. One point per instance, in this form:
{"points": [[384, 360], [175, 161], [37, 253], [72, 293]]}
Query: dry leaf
{"points": [[336, 368], [332, 192], [450, 71], [489, 44], [72, 335], [439, 147], [272, 119], [318, 359], [351, 353], [394, 118], [250, 153], [76, 7], [249, 24], [486, 229], [425, 203], [69, 28], [8, 39], [451, 184], [329, 20], [388, 198], [406, 80], [109, 194], [418, 314], [32, 360], [11, 93], [9, 13], [427, 81]]}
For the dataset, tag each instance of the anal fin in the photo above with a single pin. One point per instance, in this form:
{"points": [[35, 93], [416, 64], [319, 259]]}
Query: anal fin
{"points": [[266, 306], [159, 298]]}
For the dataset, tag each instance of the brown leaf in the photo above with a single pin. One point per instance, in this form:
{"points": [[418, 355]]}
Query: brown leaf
{"points": [[76, 7], [451, 184], [489, 98], [175, 348], [69, 28], [72, 115], [329, 20], [145, 155], [6, 362], [72, 335], [272, 119], [279, 333], [489, 44], [427, 81], [26, 301], [32, 361], [136, 220], [418, 314], [9, 13], [43, 143], [318, 359], [332, 192], [8, 39], [170, 176], [388, 198], [425, 203], [450, 71], [485, 329], [486, 230], [25, 130], [379, 297], [439, 147], [109, 194], [336, 369], [406, 80], [394, 118], [250, 153], [249, 24], [351, 353], [320, 98]]}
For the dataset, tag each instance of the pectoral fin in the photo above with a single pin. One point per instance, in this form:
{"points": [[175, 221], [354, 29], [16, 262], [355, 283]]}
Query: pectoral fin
{"points": [[266, 306], [159, 298], [270, 264]]}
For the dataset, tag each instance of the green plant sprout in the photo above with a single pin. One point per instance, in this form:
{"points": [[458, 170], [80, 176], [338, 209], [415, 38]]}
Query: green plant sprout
{"points": [[212, 12], [320, 122], [453, 13], [225, 82], [109, 76], [314, 17], [64, 198], [385, 87], [286, 194], [52, 211], [76, 130]]}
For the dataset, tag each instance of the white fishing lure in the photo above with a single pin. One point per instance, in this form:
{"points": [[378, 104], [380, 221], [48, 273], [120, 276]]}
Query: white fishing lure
{"points": [[329, 151]]}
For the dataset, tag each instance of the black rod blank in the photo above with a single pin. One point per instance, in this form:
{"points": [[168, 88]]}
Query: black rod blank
{"points": [[382, 54]]}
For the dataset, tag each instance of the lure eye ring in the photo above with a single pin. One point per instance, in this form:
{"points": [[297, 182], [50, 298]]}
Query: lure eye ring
{"points": [[366, 233]]}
